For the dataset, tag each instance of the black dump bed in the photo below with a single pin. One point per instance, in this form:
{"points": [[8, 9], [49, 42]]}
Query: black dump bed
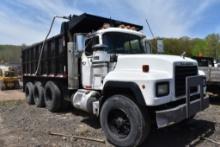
{"points": [[87, 23], [54, 58]]}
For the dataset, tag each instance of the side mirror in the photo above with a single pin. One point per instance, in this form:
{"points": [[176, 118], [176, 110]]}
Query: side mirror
{"points": [[80, 42]]}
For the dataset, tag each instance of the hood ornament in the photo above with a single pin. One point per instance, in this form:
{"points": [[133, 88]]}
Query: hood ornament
{"points": [[183, 55]]}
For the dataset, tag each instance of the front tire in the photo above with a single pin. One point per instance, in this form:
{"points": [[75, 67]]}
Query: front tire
{"points": [[123, 122], [52, 95]]}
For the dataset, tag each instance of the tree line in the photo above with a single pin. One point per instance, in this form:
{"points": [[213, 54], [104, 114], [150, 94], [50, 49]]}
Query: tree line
{"points": [[207, 47], [10, 54]]}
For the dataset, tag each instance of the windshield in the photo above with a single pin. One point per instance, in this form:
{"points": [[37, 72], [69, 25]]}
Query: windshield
{"points": [[123, 43], [10, 74]]}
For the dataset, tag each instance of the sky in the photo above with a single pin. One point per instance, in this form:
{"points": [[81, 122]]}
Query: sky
{"points": [[28, 21]]}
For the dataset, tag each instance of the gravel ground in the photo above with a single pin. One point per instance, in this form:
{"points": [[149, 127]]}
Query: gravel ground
{"points": [[8, 95], [24, 125]]}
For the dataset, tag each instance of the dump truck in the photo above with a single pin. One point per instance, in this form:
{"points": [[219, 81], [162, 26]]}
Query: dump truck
{"points": [[8, 78], [104, 67]]}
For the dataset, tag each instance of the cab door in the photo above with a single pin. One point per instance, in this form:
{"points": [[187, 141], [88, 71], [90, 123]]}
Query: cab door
{"points": [[86, 63]]}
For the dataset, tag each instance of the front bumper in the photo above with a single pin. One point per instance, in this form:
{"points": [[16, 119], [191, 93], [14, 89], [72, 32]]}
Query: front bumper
{"points": [[188, 109], [174, 115]]}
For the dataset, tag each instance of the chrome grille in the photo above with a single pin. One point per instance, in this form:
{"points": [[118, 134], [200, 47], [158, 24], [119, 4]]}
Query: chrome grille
{"points": [[181, 72]]}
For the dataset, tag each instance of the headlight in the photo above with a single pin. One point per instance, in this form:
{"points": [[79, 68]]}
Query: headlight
{"points": [[162, 89]]}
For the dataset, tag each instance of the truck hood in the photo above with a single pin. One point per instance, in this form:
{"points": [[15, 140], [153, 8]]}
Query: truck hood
{"points": [[157, 62]]}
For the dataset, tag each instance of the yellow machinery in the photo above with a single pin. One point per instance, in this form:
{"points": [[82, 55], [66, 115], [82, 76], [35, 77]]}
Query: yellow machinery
{"points": [[8, 78]]}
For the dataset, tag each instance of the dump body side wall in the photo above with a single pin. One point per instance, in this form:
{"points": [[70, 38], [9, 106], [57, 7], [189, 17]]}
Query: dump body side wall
{"points": [[53, 63]]}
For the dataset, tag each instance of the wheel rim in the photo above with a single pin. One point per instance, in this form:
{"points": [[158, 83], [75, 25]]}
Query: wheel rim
{"points": [[119, 123]]}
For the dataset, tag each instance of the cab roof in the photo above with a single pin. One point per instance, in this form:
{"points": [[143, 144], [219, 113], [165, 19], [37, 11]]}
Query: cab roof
{"points": [[121, 30]]}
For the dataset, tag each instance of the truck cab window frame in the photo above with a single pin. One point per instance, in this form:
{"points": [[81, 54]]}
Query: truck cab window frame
{"points": [[89, 43], [123, 43]]}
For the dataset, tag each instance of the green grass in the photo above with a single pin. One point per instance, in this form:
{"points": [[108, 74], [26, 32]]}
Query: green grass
{"points": [[10, 54]]}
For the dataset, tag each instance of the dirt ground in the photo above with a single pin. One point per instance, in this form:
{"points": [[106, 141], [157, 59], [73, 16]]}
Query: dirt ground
{"points": [[24, 125], [8, 95]]}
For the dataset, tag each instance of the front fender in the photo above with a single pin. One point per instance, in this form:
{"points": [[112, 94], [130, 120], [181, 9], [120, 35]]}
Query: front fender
{"points": [[145, 82], [113, 87]]}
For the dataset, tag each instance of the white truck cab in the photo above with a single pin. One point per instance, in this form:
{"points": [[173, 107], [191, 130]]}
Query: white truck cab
{"points": [[116, 61]]}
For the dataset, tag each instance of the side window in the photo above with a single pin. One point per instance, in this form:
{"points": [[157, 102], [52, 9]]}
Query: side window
{"points": [[89, 44]]}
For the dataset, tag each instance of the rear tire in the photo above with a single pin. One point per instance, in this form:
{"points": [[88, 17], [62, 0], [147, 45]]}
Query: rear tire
{"points": [[29, 90], [52, 95], [39, 95], [123, 122]]}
